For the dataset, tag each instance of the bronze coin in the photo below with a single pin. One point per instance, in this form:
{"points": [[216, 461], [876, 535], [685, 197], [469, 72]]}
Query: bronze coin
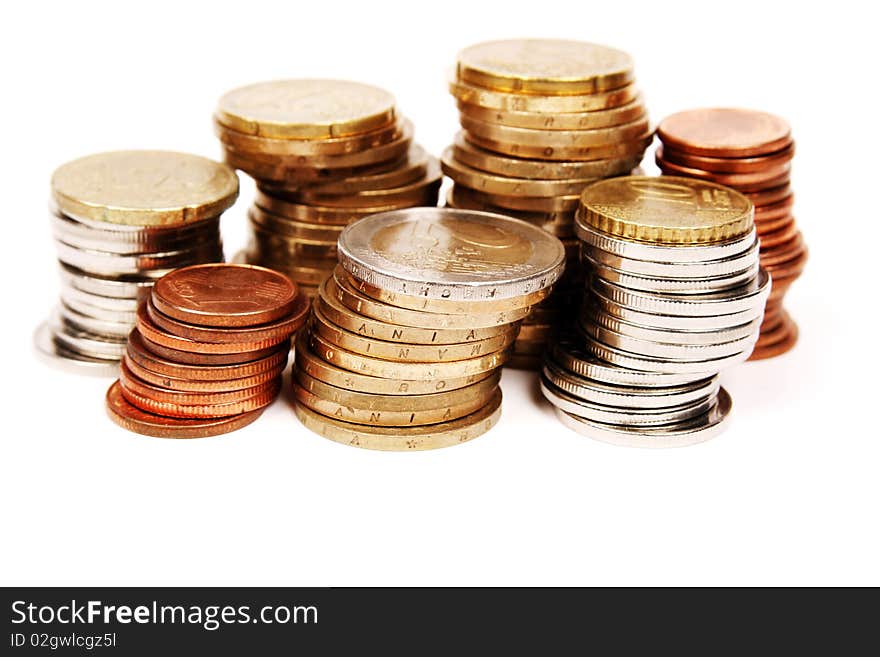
{"points": [[724, 132], [769, 196], [770, 225], [782, 252], [267, 334], [134, 419], [185, 385], [729, 164], [145, 357], [263, 398], [788, 269], [780, 236], [770, 211], [225, 295], [191, 358], [738, 181]]}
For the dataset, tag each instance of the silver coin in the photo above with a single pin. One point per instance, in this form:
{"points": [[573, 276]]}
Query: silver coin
{"points": [[96, 303], [55, 355], [591, 315], [571, 355], [672, 285], [690, 432], [76, 304], [83, 342], [444, 253], [108, 264], [638, 417], [702, 368], [123, 287], [683, 352], [641, 397], [751, 296], [102, 327], [701, 269], [679, 253]]}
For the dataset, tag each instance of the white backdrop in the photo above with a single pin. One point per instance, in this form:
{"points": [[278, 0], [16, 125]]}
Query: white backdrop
{"points": [[788, 495]]}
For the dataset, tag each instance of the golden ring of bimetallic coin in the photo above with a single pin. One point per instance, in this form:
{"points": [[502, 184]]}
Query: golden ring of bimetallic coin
{"points": [[349, 296], [513, 167], [629, 148], [144, 188], [306, 109], [631, 111], [404, 439], [666, 210], [544, 66], [500, 100]]}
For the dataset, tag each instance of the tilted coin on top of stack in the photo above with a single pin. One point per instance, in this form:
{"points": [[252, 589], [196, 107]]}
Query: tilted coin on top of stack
{"points": [[121, 220], [208, 351], [541, 119], [324, 153], [751, 152], [407, 338], [675, 295]]}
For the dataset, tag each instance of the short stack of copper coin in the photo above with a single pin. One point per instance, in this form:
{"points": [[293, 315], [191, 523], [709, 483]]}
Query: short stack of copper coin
{"points": [[541, 119], [208, 351], [751, 152], [324, 153], [407, 339]]}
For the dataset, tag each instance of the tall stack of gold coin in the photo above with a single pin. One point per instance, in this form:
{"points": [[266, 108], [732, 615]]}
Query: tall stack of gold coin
{"points": [[324, 153], [120, 221], [542, 119], [408, 337]]}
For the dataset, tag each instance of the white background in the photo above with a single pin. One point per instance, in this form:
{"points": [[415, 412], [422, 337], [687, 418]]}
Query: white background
{"points": [[788, 495]]}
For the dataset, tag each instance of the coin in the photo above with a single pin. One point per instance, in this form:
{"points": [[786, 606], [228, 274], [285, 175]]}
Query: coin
{"points": [[516, 102], [667, 210], [755, 164], [631, 111], [555, 140], [134, 419], [725, 132], [261, 399], [622, 149], [306, 109], [191, 358], [144, 188], [431, 436], [131, 383], [225, 295], [203, 387], [57, 355], [421, 251], [741, 181]]}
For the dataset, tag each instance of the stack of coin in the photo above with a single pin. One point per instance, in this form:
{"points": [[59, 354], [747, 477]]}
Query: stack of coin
{"points": [[120, 221], [407, 338], [751, 152], [324, 153], [541, 119], [208, 351], [675, 295]]}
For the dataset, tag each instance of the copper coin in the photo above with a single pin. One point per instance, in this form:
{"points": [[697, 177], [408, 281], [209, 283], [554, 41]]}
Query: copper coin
{"points": [[265, 397], [191, 358], [134, 419], [267, 334], [138, 352], [769, 196], [782, 252], [729, 164], [131, 382], [769, 225], [788, 269], [184, 385], [780, 236], [225, 295], [724, 132], [739, 181]]}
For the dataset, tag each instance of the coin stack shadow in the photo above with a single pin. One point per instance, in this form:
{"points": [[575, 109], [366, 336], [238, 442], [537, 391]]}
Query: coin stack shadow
{"points": [[541, 119], [408, 336], [115, 235], [675, 295], [324, 153], [208, 351], [751, 152]]}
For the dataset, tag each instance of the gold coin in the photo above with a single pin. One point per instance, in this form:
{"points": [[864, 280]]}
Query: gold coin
{"points": [[560, 223], [622, 149], [544, 66], [450, 306], [316, 233], [301, 272], [309, 363], [473, 95], [292, 246], [482, 181], [556, 139], [514, 167], [280, 177], [144, 188], [388, 411], [306, 109], [342, 316], [666, 210], [533, 333], [403, 439], [314, 214], [385, 369], [405, 352], [341, 288], [541, 204], [632, 111], [270, 146]]}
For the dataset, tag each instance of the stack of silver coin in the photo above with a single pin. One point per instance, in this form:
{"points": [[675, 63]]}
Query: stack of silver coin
{"points": [[120, 221], [674, 295]]}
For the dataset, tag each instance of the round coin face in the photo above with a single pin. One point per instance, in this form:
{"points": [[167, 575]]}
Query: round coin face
{"points": [[442, 253], [666, 210], [548, 66], [306, 109], [225, 295], [144, 188], [725, 132]]}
